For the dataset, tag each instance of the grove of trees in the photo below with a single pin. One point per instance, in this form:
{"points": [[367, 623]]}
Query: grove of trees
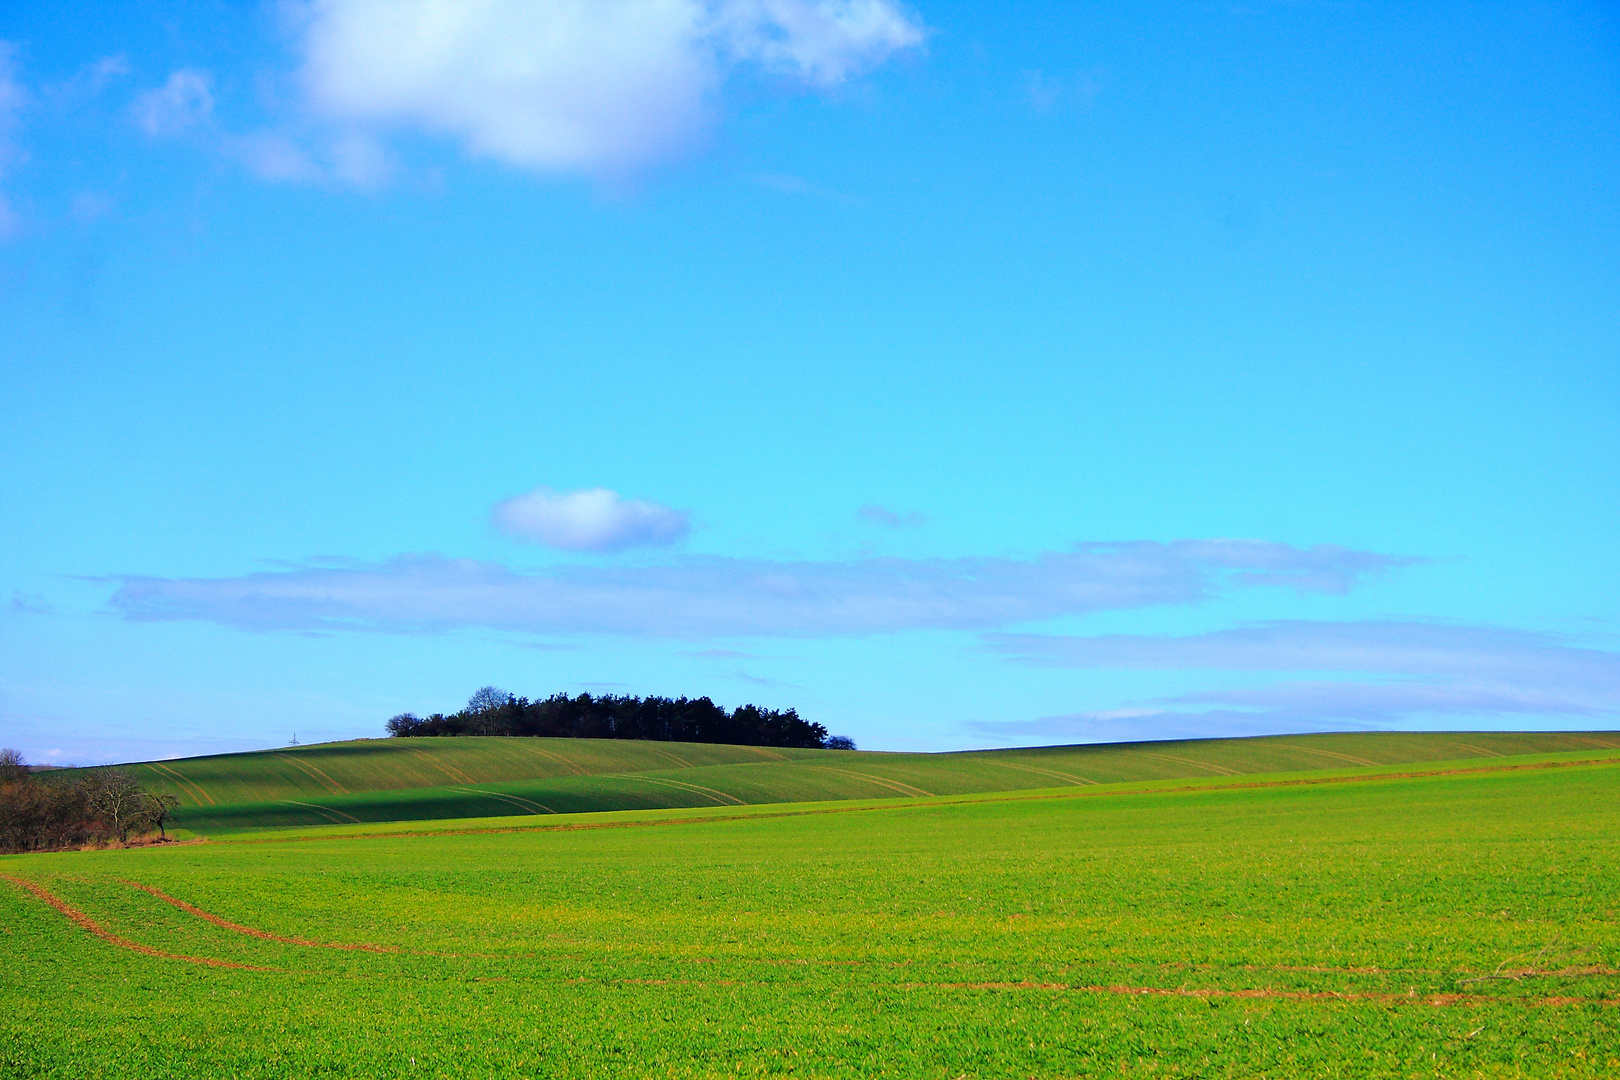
{"points": [[609, 716], [73, 808]]}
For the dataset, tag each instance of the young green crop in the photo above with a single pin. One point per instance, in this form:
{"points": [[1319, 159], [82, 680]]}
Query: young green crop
{"points": [[421, 779], [1324, 929]]}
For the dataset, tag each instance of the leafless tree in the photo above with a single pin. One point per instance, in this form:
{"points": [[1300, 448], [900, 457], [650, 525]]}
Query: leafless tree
{"points": [[157, 810], [116, 796], [12, 766], [484, 704]]}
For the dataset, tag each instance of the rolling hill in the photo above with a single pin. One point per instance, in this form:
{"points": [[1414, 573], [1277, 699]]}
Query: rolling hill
{"points": [[421, 779]]}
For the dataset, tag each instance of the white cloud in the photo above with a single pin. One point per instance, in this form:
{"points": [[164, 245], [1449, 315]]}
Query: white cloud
{"points": [[590, 86], [698, 598], [183, 103], [591, 519]]}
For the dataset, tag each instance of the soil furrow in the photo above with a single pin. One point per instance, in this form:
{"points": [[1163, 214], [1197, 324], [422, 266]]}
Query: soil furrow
{"points": [[87, 923], [192, 909]]}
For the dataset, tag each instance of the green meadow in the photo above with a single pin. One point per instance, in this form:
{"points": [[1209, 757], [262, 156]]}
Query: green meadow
{"points": [[378, 780], [1448, 917]]}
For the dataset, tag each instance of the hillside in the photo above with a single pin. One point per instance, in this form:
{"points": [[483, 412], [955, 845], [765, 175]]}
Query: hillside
{"points": [[419, 779], [1440, 921]]}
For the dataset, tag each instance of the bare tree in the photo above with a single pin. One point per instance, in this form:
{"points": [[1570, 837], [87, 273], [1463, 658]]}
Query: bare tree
{"points": [[116, 795], [484, 704], [157, 811], [487, 699], [12, 766]]}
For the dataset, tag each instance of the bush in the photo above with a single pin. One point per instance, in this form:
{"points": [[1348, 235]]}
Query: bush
{"points": [[69, 809]]}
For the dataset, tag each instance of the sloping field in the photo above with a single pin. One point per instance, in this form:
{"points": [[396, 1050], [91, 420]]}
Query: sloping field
{"points": [[389, 764], [1447, 923], [418, 779]]}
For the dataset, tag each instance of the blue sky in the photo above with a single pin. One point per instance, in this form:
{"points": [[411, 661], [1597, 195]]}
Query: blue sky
{"points": [[962, 375]]}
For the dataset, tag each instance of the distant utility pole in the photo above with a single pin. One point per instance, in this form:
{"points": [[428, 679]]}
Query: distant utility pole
{"points": [[295, 739]]}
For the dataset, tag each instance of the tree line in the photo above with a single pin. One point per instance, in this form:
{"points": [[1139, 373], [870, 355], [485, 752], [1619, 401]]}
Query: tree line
{"points": [[609, 716], [73, 808]]}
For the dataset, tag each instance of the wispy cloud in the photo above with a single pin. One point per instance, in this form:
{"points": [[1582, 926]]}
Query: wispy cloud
{"points": [[1048, 93], [598, 88], [591, 519], [13, 99], [87, 82], [1385, 673], [697, 597], [29, 604], [1130, 725], [1381, 647], [894, 519], [182, 104]]}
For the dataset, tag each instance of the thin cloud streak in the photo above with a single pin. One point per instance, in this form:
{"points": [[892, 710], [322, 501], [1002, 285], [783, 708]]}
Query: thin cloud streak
{"points": [[1412, 673], [13, 99], [894, 519], [699, 598], [1391, 647]]}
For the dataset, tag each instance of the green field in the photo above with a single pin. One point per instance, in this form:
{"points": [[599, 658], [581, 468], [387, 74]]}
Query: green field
{"points": [[1321, 923], [421, 779]]}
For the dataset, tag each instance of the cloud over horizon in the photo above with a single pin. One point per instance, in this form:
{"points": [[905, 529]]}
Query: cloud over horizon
{"points": [[1403, 673], [599, 87], [590, 519], [1402, 647], [893, 519], [701, 597]]}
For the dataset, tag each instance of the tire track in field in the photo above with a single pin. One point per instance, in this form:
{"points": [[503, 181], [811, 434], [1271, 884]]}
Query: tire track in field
{"points": [[188, 786], [1480, 750], [87, 923], [567, 763], [338, 816], [217, 920], [453, 773], [527, 804], [320, 777], [1333, 754], [1041, 772], [719, 797], [892, 785], [1221, 769], [676, 758]]}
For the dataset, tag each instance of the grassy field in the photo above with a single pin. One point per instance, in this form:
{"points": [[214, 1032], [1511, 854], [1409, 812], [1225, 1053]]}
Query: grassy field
{"points": [[1279, 925], [420, 779]]}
